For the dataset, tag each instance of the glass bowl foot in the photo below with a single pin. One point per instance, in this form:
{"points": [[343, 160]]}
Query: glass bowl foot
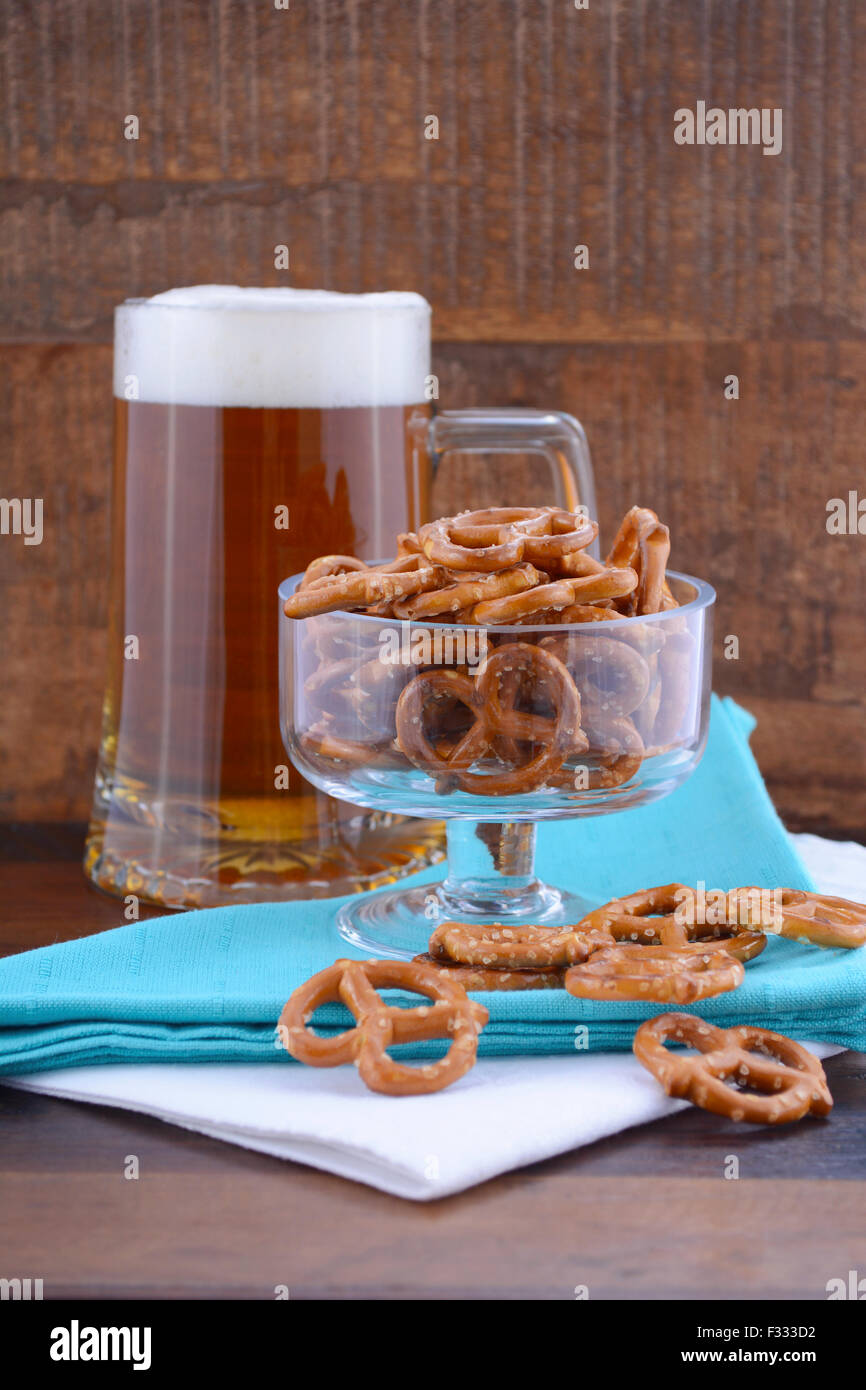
{"points": [[399, 922]]}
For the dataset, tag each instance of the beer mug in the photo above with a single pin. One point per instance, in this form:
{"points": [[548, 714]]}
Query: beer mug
{"points": [[254, 430]]}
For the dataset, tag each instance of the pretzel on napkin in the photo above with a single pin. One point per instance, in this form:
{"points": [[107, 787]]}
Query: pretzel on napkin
{"points": [[478, 977], [379, 1026], [814, 917], [664, 974], [617, 953]]}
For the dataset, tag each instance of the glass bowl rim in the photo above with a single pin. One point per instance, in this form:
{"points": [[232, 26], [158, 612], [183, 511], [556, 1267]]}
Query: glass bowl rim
{"points": [[705, 596]]}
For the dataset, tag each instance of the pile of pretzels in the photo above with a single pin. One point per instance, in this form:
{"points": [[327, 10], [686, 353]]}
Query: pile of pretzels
{"points": [[642, 947], [500, 565], [634, 948], [555, 711]]}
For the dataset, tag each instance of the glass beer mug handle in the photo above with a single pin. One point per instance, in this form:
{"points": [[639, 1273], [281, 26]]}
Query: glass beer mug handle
{"points": [[557, 437]]}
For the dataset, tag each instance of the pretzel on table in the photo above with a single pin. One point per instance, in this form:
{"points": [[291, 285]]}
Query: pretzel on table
{"points": [[379, 1026], [790, 1079]]}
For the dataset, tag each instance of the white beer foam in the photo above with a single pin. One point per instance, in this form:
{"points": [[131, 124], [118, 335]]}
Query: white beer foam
{"points": [[223, 345]]}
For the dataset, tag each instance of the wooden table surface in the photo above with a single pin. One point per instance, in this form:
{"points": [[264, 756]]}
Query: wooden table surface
{"points": [[645, 1214]]}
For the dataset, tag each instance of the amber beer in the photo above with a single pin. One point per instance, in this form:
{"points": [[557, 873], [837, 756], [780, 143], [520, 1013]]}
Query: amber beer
{"points": [[254, 430]]}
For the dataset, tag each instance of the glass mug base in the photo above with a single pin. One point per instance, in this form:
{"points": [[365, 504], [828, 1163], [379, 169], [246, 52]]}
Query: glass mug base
{"points": [[187, 853], [399, 923]]}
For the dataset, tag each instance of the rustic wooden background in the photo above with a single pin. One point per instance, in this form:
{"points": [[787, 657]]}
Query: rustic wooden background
{"points": [[306, 127]]}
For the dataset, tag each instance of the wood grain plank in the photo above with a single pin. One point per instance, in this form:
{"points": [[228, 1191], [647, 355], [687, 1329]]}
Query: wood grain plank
{"points": [[306, 126], [509, 1239]]}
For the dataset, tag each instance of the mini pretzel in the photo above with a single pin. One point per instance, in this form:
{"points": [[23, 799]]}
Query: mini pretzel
{"points": [[791, 1079], [655, 548], [326, 566], [380, 1025], [625, 669], [328, 675], [815, 917], [664, 974], [643, 543], [647, 916], [491, 718], [550, 533], [611, 583], [473, 977], [486, 540], [492, 525], [496, 537], [319, 742], [567, 534], [615, 748], [573, 564], [359, 589], [653, 916], [467, 592], [420, 695], [504, 678], [586, 613], [497, 947]]}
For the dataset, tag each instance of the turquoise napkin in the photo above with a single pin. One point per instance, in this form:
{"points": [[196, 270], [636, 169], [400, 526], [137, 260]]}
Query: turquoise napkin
{"points": [[208, 986]]}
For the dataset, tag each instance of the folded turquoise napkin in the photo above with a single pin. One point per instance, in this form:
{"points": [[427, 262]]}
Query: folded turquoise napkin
{"points": [[209, 986]]}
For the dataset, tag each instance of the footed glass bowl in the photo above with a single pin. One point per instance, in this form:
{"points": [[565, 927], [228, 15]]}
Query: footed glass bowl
{"points": [[492, 729]]}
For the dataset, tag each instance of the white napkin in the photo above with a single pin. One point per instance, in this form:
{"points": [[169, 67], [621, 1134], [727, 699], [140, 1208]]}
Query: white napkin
{"points": [[505, 1113]]}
